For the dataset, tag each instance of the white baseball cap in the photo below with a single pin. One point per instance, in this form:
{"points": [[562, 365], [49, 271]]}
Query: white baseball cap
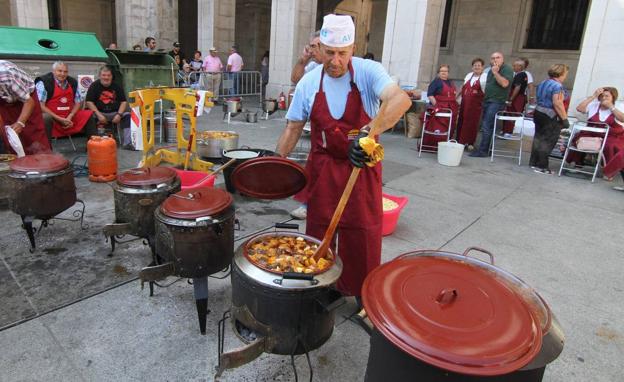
{"points": [[338, 31]]}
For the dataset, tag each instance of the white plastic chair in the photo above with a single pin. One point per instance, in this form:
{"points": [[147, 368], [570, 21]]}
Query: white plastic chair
{"points": [[503, 116], [442, 113], [577, 128]]}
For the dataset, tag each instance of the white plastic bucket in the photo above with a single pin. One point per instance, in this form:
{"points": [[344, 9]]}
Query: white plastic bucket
{"points": [[450, 153]]}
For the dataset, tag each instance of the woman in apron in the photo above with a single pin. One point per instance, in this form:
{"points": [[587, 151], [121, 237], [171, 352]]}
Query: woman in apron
{"points": [[441, 94], [471, 104]]}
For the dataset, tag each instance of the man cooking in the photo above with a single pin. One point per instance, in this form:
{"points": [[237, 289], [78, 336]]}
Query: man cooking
{"points": [[341, 98], [60, 103], [20, 110]]}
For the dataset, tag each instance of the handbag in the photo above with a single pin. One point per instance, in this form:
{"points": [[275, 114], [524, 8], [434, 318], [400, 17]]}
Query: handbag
{"points": [[589, 143]]}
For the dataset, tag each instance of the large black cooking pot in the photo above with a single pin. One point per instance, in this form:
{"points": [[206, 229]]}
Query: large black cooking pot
{"points": [[138, 193], [41, 185], [241, 155], [195, 231], [294, 313], [467, 320]]}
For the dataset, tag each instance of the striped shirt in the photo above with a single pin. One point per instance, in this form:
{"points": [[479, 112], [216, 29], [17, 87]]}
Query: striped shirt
{"points": [[15, 84]]}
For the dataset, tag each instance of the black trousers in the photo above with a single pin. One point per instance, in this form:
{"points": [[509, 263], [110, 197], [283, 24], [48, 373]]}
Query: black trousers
{"points": [[547, 132]]}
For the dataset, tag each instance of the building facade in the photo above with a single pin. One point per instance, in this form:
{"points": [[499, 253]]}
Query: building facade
{"points": [[409, 37]]}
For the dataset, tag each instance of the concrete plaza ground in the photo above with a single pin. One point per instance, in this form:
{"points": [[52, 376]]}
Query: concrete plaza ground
{"points": [[562, 235]]}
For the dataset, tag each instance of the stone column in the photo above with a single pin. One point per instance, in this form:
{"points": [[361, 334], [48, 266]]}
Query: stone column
{"points": [[601, 51], [138, 19], [30, 14], [411, 40], [205, 25], [292, 22], [224, 19]]}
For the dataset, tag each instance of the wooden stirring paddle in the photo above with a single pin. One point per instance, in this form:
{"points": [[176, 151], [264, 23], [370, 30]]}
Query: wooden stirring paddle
{"points": [[331, 229]]}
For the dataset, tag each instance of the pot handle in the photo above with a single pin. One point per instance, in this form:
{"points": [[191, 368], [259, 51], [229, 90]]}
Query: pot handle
{"points": [[478, 249], [287, 226], [296, 276]]}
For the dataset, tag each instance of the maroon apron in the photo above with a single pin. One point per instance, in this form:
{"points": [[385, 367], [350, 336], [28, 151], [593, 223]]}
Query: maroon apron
{"points": [[517, 106], [33, 135], [359, 229], [470, 112], [614, 146], [445, 99], [61, 103]]}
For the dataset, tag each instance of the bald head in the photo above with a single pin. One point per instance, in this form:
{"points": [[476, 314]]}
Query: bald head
{"points": [[497, 59]]}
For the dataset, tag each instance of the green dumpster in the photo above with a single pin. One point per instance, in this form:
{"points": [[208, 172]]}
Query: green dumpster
{"points": [[134, 70], [35, 50]]}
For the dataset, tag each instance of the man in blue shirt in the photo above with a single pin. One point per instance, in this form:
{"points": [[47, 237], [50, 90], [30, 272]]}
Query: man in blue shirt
{"points": [[341, 98]]}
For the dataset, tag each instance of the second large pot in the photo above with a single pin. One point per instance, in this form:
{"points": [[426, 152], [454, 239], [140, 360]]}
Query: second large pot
{"points": [[138, 192], [293, 312], [212, 144]]}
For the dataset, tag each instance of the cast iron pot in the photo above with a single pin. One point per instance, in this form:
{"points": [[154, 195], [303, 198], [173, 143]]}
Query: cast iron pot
{"points": [[195, 246], [387, 361], [138, 192], [41, 185], [241, 155], [293, 312]]}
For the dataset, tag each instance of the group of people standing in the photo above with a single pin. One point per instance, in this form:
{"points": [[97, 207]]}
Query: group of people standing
{"points": [[500, 87]]}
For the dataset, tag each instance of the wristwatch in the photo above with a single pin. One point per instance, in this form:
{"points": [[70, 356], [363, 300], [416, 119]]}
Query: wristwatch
{"points": [[21, 123], [365, 129]]}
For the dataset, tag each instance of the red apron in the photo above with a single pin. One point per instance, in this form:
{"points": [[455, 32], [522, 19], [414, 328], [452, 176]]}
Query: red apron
{"points": [[359, 230], [613, 146], [33, 136], [446, 99], [517, 106], [61, 103], [470, 112]]}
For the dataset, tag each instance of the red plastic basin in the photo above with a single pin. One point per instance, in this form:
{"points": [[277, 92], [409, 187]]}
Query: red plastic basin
{"points": [[194, 179], [391, 217]]}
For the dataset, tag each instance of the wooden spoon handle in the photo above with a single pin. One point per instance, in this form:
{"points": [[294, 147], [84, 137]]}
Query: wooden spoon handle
{"points": [[331, 229]]}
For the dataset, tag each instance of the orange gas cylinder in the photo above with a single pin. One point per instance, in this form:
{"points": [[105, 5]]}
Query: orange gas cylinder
{"points": [[102, 154]]}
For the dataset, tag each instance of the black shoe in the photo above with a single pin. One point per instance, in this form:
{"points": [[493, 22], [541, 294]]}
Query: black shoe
{"points": [[477, 154], [128, 147]]}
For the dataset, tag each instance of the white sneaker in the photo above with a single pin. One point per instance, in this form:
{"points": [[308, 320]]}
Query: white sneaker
{"points": [[300, 212], [508, 135]]}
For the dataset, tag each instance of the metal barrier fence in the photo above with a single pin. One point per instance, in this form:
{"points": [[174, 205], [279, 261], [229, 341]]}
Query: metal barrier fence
{"points": [[228, 84]]}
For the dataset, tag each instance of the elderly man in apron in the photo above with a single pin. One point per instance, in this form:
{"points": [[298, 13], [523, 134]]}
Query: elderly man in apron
{"points": [[341, 98], [61, 103], [20, 110]]}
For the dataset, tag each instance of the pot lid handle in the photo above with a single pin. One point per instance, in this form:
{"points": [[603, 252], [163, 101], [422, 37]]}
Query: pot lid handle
{"points": [[190, 195], [478, 249], [446, 297]]}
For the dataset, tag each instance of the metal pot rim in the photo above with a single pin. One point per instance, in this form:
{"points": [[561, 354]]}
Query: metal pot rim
{"points": [[39, 175]]}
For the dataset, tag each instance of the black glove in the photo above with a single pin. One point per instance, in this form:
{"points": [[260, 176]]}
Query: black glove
{"points": [[357, 156], [565, 123]]}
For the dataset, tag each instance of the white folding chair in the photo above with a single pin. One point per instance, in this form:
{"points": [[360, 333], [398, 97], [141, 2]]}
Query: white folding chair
{"points": [[514, 117], [442, 113], [577, 128]]}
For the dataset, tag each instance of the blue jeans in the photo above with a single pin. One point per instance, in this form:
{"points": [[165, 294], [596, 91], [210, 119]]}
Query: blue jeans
{"points": [[490, 108]]}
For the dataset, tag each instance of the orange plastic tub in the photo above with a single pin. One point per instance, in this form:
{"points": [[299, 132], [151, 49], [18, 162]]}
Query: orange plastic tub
{"points": [[194, 179], [391, 217]]}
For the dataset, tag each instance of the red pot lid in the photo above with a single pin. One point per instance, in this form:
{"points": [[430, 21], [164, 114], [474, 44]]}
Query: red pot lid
{"points": [[269, 178], [196, 203], [452, 315], [42, 163], [146, 176]]}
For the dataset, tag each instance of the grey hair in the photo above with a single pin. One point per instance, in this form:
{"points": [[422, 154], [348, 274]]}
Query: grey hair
{"points": [[57, 64], [316, 34]]}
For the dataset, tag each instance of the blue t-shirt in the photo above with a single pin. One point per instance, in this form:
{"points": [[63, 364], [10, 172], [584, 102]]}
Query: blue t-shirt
{"points": [[545, 91], [370, 78]]}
